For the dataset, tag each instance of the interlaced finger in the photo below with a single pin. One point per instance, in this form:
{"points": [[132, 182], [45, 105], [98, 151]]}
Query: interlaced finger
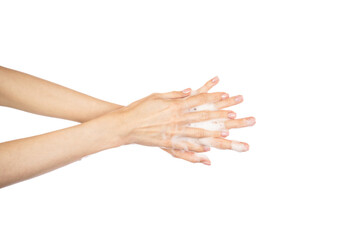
{"points": [[204, 98], [240, 123]]}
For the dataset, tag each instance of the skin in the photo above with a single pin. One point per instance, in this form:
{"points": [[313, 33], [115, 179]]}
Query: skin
{"points": [[219, 143], [103, 125]]}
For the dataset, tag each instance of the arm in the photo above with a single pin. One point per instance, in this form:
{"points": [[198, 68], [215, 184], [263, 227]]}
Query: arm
{"points": [[32, 94], [26, 158]]}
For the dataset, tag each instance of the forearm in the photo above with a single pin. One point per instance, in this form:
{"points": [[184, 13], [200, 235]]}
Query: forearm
{"points": [[26, 158], [29, 93]]}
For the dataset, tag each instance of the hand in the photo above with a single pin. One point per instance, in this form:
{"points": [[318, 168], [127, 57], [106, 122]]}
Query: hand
{"points": [[159, 119], [220, 143]]}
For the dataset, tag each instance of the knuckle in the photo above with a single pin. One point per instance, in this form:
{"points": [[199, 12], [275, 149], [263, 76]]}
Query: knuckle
{"points": [[204, 115], [202, 96], [154, 95], [223, 114], [178, 93], [199, 148], [198, 132], [224, 145], [167, 143]]}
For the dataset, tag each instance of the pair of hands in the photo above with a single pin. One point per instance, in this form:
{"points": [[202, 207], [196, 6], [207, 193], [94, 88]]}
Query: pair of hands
{"points": [[165, 120]]}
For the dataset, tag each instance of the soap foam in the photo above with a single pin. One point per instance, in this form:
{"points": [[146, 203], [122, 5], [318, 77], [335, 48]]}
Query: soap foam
{"points": [[238, 147], [179, 142], [200, 157], [204, 107], [211, 125], [206, 141]]}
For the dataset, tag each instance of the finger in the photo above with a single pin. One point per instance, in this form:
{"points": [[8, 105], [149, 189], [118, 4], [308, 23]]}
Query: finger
{"points": [[186, 145], [207, 115], [202, 133], [203, 98], [176, 94], [239, 123], [228, 102], [208, 85], [222, 143], [189, 156]]}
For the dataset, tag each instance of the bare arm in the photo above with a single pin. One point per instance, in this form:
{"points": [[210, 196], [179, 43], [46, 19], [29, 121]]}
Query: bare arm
{"points": [[32, 94], [29, 157]]}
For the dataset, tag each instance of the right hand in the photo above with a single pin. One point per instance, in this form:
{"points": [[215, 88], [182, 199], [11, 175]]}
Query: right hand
{"points": [[159, 118]]}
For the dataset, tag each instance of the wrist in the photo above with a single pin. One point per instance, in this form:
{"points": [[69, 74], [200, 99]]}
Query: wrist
{"points": [[113, 127]]}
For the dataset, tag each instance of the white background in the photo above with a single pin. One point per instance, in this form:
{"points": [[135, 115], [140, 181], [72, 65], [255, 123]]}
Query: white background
{"points": [[295, 62]]}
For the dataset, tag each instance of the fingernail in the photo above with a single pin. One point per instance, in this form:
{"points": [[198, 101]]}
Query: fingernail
{"points": [[215, 79], [231, 115], [225, 133], [250, 121], [239, 98], [186, 91], [206, 148], [205, 161], [225, 95]]}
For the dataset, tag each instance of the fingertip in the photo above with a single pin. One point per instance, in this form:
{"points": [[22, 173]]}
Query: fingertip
{"points": [[215, 80], [206, 148], [231, 115], [246, 147], [224, 133], [239, 146], [186, 91], [205, 161], [224, 96], [239, 99], [251, 121]]}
